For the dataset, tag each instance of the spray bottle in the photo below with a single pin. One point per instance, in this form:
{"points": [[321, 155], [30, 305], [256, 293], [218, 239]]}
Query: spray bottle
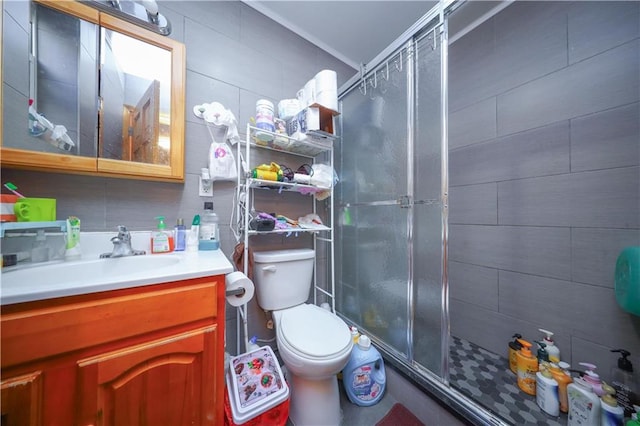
{"points": [[527, 367], [551, 348], [514, 347]]}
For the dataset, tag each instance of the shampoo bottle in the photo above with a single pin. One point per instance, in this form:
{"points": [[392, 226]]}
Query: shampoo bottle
{"points": [[161, 240], [611, 414], [561, 375], [584, 405], [527, 367], [625, 383], [592, 378], [551, 348], [547, 396], [542, 355], [514, 347]]}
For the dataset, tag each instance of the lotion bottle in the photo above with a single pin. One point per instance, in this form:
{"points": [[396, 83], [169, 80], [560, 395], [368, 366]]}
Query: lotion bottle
{"points": [[180, 233], [625, 383], [584, 405], [514, 347], [551, 348], [527, 367]]}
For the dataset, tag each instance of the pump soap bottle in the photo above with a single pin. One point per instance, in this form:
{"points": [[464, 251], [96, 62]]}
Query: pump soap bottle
{"points": [[527, 366], [584, 405], [625, 383], [561, 375], [551, 348], [180, 235], [591, 377], [161, 240], [514, 347]]}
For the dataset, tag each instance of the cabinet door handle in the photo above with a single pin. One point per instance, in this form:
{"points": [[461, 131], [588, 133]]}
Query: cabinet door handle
{"points": [[270, 268]]}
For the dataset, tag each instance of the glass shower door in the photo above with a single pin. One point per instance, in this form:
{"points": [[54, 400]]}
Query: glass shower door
{"points": [[391, 233], [372, 266]]}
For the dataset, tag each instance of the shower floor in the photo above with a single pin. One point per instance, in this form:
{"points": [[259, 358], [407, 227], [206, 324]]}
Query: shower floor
{"points": [[486, 378]]}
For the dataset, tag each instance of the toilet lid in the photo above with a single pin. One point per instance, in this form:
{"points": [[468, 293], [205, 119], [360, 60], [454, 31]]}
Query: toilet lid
{"points": [[314, 331]]}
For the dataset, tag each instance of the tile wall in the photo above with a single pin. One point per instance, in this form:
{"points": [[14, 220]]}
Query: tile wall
{"points": [[544, 176]]}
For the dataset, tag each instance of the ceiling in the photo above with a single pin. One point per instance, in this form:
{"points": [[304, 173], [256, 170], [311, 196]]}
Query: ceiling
{"points": [[352, 31]]}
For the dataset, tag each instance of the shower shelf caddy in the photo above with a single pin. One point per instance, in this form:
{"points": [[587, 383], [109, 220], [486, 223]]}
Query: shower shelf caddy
{"points": [[318, 146]]}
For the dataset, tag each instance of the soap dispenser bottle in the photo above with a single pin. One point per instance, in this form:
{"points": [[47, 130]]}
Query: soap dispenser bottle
{"points": [[161, 240], [584, 405], [514, 347], [527, 368], [542, 354], [180, 234], [625, 383], [562, 376], [551, 348], [591, 377]]}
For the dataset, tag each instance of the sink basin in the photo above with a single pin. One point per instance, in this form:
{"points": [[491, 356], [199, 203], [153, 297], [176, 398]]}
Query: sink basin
{"points": [[66, 273]]}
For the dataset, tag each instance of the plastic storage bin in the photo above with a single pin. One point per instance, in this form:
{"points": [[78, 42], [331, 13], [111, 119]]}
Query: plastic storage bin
{"points": [[257, 393]]}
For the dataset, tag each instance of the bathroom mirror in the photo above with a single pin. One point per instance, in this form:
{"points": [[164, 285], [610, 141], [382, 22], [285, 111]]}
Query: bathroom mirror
{"points": [[85, 92]]}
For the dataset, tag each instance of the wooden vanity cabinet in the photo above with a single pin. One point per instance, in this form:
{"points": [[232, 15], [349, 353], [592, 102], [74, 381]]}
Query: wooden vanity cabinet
{"points": [[151, 355]]}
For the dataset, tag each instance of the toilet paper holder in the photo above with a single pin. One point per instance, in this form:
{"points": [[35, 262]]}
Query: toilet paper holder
{"points": [[236, 292]]}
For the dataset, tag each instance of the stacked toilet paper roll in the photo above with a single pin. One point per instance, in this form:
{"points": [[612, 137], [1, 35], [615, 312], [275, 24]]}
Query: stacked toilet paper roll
{"points": [[326, 89], [239, 288]]}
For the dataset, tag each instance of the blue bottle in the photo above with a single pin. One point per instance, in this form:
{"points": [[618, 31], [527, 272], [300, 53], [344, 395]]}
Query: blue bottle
{"points": [[364, 377]]}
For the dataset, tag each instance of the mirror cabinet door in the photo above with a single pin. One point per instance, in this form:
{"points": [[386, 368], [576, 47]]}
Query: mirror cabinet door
{"points": [[89, 103]]}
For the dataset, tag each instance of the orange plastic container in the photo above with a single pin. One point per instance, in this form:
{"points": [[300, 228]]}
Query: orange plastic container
{"points": [[6, 208]]}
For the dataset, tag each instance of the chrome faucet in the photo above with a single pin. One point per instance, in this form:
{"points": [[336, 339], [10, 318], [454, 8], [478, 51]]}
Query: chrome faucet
{"points": [[122, 245]]}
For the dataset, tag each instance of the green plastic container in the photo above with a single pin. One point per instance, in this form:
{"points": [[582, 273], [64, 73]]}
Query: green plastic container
{"points": [[627, 280]]}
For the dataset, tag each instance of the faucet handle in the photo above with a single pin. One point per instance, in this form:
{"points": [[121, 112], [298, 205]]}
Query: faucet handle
{"points": [[122, 228]]}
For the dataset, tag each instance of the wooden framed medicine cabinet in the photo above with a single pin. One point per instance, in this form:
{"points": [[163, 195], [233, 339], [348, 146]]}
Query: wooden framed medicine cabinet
{"points": [[119, 119]]}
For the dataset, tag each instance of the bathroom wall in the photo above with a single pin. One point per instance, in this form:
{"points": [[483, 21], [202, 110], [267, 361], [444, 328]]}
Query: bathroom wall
{"points": [[235, 56], [544, 176]]}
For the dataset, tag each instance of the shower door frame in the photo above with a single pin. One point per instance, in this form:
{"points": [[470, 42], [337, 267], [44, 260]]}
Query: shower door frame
{"points": [[438, 386]]}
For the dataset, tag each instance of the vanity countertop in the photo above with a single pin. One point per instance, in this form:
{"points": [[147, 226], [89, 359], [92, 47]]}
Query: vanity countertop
{"points": [[91, 274]]}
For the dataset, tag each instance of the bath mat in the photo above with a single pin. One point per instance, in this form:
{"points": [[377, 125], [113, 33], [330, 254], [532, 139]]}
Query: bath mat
{"points": [[399, 415]]}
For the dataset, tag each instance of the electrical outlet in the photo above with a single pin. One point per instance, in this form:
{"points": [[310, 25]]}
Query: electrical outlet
{"points": [[205, 187]]}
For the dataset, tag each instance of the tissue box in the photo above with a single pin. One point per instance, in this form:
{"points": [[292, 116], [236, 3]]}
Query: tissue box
{"points": [[314, 118]]}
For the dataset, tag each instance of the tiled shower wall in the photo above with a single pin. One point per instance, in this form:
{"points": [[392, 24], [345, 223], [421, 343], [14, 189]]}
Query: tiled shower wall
{"points": [[544, 156], [235, 56]]}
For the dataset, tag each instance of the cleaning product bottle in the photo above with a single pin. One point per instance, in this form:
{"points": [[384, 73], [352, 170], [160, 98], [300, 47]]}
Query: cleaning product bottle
{"points": [[514, 347], [547, 396], [180, 235], [561, 374], [161, 240], [625, 383], [611, 414], [591, 377], [209, 234], [551, 348], [364, 376], [527, 367], [193, 236], [354, 334], [584, 405], [633, 421]]}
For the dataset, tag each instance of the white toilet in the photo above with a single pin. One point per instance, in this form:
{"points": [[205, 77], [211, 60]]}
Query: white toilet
{"points": [[314, 343]]}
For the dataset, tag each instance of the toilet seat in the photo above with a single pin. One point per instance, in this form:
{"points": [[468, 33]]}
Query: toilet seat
{"points": [[312, 332]]}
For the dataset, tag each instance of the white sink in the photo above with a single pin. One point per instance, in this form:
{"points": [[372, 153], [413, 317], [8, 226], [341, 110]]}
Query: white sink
{"points": [[65, 273]]}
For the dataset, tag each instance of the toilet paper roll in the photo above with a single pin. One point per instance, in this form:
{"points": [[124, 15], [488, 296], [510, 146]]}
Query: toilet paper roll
{"points": [[235, 281]]}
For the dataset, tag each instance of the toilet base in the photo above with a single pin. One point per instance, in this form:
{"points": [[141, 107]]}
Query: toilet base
{"points": [[314, 402]]}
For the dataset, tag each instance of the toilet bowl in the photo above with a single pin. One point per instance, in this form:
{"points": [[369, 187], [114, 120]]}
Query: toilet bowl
{"points": [[314, 344]]}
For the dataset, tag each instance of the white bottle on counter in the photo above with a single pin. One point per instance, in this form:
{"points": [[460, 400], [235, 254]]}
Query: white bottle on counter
{"points": [[547, 393], [551, 348], [612, 414]]}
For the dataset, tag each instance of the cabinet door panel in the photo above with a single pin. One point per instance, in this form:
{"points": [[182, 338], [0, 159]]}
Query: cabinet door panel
{"points": [[167, 381], [22, 400]]}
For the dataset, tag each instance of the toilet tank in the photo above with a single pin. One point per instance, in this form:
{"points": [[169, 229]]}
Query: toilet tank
{"points": [[282, 277]]}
